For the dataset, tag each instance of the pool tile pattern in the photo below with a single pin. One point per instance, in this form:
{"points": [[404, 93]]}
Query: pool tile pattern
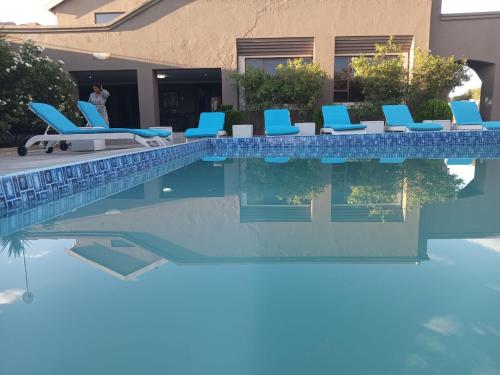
{"points": [[23, 191]]}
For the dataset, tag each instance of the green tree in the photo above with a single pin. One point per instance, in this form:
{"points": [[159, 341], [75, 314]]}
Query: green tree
{"points": [[474, 94], [383, 76], [32, 76], [296, 86], [433, 77]]}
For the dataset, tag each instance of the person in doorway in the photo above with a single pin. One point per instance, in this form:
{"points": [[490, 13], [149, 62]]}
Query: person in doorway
{"points": [[98, 98]]}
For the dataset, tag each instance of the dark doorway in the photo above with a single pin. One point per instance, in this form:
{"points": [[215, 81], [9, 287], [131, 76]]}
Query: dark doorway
{"points": [[123, 103], [185, 93]]}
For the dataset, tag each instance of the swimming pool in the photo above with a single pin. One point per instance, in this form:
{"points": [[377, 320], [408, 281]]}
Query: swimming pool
{"points": [[260, 260]]}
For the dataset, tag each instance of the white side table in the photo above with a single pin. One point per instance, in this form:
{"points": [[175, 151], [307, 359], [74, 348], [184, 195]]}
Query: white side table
{"points": [[167, 128], [242, 131], [306, 128], [374, 126]]}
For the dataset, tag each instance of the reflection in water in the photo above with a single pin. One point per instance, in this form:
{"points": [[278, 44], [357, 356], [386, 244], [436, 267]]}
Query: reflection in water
{"points": [[250, 210], [236, 245]]}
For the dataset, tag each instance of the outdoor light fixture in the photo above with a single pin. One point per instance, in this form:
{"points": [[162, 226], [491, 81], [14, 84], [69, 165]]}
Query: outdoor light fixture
{"points": [[101, 55], [167, 190], [161, 76]]}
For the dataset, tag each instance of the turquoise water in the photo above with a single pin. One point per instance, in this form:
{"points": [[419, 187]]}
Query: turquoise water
{"points": [[240, 266]]}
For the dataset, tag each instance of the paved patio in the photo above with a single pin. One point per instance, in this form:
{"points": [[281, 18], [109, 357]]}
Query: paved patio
{"points": [[10, 162]]}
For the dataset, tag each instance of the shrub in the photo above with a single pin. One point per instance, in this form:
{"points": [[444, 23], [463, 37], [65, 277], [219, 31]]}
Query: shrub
{"points": [[296, 86], [474, 94], [433, 109], [32, 76], [383, 76], [232, 117], [433, 77]]}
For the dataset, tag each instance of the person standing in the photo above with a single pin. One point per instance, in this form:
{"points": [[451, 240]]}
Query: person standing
{"points": [[98, 98]]}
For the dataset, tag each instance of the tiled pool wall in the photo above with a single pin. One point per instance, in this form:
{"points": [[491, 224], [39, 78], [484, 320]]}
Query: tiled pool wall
{"points": [[23, 195], [22, 191]]}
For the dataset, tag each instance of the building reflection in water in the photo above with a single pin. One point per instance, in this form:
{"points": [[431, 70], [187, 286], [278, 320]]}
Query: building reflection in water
{"points": [[252, 211]]}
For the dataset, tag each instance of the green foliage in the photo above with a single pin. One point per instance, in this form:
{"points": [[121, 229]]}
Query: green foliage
{"points": [[32, 76], [433, 77], [296, 86], [232, 117], [474, 94], [385, 79], [424, 181], [433, 109], [383, 76], [295, 182], [428, 181]]}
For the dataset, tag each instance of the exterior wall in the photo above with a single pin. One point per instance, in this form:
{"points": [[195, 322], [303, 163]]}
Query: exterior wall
{"points": [[472, 36], [202, 34], [81, 13]]}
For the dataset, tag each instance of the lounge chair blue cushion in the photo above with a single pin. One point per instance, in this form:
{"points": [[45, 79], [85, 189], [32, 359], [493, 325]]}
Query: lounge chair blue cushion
{"points": [[277, 122], [343, 127], [391, 160], [492, 125], [277, 159], [333, 160], [459, 161], [63, 125], [209, 125], [399, 115], [282, 130], [466, 113], [95, 119], [336, 117], [427, 126]]}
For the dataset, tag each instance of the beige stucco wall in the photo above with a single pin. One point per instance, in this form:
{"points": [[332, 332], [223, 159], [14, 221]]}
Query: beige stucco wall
{"points": [[202, 34], [78, 12]]}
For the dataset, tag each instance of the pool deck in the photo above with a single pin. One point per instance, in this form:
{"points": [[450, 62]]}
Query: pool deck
{"points": [[10, 162]]}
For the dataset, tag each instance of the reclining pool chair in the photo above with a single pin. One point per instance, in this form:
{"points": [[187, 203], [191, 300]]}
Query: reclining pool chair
{"points": [[68, 131], [211, 125], [467, 117], [336, 120], [277, 122], [95, 120], [398, 118]]}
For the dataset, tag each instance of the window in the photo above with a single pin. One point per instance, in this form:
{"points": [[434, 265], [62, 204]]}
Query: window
{"points": [[345, 87], [101, 18], [270, 64]]}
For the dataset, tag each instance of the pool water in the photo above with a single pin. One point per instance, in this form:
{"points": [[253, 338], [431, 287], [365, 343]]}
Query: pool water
{"points": [[264, 266]]}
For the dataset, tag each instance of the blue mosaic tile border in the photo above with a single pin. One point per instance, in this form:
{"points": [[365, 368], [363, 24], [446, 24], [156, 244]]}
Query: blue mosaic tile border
{"points": [[23, 191], [442, 140]]}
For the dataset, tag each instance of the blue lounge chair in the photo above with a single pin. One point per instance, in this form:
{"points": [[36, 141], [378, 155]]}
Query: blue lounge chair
{"points": [[277, 122], [391, 160], [211, 125], [467, 117], [459, 161], [95, 120], [68, 131], [276, 159], [336, 119], [333, 160], [398, 118]]}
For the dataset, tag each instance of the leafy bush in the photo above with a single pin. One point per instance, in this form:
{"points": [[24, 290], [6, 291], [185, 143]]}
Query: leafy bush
{"points": [[296, 86], [433, 77], [385, 79], [433, 109], [294, 183], [232, 117], [383, 76], [31, 76]]}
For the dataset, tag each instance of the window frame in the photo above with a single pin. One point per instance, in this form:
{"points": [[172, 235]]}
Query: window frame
{"points": [[96, 14]]}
